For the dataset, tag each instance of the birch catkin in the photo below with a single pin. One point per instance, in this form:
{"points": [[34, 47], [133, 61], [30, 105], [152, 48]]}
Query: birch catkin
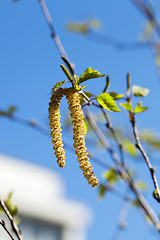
{"points": [[78, 135], [78, 131], [55, 126]]}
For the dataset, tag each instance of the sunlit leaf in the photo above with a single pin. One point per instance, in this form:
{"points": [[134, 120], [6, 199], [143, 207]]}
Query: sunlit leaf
{"points": [[94, 23], [129, 147], [11, 109], [89, 74], [148, 29], [141, 185], [10, 205], [102, 190], [151, 138], [110, 175], [81, 27], [139, 108], [116, 96], [139, 91], [107, 101], [58, 85], [127, 106]]}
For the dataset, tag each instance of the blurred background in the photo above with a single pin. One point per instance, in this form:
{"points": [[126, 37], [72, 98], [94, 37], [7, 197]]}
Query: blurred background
{"points": [[29, 68]]}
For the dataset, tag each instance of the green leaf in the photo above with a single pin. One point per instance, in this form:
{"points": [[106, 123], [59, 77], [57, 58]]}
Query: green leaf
{"points": [[127, 106], [10, 205], [141, 185], [135, 203], [89, 74], [139, 108], [116, 96], [107, 101], [102, 190], [129, 148], [139, 91], [151, 138], [58, 85], [80, 27], [11, 109], [110, 175]]}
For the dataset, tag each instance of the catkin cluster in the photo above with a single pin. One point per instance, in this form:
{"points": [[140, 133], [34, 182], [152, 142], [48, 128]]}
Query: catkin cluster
{"points": [[55, 126], [78, 131], [78, 135]]}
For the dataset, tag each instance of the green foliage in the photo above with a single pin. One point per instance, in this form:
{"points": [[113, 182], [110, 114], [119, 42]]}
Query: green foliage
{"points": [[141, 185], [116, 96], [102, 190], [10, 205], [127, 106], [58, 85], [80, 27], [135, 203], [110, 175], [107, 101], [89, 73], [139, 108], [67, 73], [9, 112], [155, 194], [148, 30], [138, 91], [85, 26], [151, 138], [129, 147]]}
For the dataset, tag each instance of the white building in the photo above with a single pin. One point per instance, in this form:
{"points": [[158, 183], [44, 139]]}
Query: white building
{"points": [[45, 212]]}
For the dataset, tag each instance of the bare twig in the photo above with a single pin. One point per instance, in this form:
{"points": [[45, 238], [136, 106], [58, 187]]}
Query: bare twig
{"points": [[51, 27], [145, 156], [143, 203], [2, 223], [12, 222], [121, 221]]}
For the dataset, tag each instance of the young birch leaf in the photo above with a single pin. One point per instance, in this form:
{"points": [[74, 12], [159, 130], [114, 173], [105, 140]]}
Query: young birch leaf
{"points": [[139, 108], [107, 101], [138, 91], [89, 74], [58, 85], [127, 106], [116, 96], [102, 191]]}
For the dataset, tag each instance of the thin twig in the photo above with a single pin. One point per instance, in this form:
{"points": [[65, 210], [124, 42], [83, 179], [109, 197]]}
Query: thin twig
{"points": [[12, 222], [121, 221], [143, 203], [145, 156], [2, 223], [51, 27]]}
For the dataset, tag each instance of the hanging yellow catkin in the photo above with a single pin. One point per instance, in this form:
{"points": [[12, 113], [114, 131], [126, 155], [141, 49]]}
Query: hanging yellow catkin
{"points": [[55, 126], [78, 135]]}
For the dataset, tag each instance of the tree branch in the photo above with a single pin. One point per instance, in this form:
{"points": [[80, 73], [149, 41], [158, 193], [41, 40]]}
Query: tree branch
{"points": [[145, 156], [51, 27], [2, 223], [143, 203], [12, 222]]}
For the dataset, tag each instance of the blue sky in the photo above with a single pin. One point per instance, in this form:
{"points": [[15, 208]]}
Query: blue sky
{"points": [[29, 67]]}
